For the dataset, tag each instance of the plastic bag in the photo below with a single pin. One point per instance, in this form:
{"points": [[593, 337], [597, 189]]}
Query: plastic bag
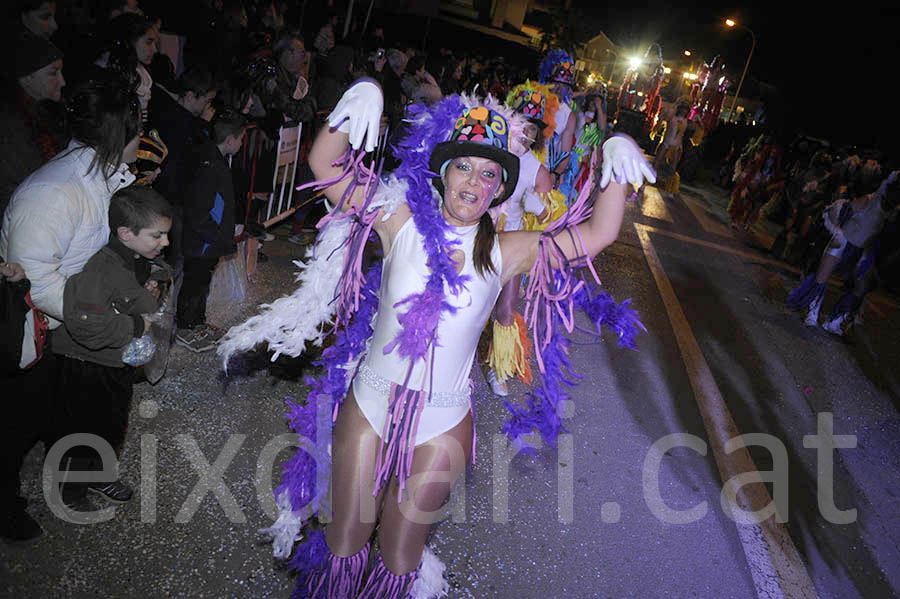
{"points": [[229, 282], [139, 351], [162, 326]]}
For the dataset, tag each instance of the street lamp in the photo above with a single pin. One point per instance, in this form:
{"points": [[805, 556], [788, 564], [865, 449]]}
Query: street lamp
{"points": [[731, 23], [687, 52]]}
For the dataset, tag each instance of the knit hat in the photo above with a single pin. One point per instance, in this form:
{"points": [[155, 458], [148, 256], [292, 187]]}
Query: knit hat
{"points": [[33, 53]]}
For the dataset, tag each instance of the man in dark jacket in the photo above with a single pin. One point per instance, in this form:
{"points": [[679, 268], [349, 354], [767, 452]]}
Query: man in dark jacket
{"points": [[208, 229]]}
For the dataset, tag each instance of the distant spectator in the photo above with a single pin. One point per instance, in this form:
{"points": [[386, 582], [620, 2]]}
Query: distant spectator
{"points": [[176, 115], [120, 7], [32, 118], [324, 41], [38, 17], [283, 96], [334, 77], [418, 84], [131, 42]]}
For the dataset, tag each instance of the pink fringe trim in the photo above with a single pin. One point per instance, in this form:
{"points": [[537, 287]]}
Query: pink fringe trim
{"points": [[397, 446], [547, 293], [342, 576], [384, 584]]}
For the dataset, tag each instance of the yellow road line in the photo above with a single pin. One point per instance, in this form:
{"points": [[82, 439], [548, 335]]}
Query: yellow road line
{"points": [[775, 565]]}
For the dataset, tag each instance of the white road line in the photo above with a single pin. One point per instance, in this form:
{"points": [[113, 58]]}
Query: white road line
{"points": [[654, 206], [777, 569]]}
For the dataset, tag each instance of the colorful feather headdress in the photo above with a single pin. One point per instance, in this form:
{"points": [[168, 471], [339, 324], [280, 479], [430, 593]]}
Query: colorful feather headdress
{"points": [[536, 101]]}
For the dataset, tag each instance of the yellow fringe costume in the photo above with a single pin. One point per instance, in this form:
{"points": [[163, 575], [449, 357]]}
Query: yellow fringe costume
{"points": [[555, 202], [510, 351]]}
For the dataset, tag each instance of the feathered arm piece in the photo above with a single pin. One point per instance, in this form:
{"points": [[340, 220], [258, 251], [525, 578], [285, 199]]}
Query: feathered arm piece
{"points": [[552, 296], [331, 270]]}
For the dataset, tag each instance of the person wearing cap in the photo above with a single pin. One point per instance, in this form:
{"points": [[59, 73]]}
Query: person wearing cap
{"points": [[404, 431], [32, 118]]}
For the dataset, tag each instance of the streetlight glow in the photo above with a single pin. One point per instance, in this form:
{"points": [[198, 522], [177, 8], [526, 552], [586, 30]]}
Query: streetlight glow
{"points": [[687, 52], [667, 70], [737, 93], [634, 62]]}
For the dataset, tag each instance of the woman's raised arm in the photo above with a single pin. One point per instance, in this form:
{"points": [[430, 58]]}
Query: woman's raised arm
{"points": [[623, 163], [355, 119]]}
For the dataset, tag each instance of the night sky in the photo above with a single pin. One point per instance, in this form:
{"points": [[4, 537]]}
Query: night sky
{"points": [[836, 69]]}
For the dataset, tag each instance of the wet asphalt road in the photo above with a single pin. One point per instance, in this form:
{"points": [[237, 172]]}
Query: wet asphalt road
{"points": [[573, 521]]}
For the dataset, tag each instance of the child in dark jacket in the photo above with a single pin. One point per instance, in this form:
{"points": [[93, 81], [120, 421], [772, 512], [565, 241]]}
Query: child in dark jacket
{"points": [[106, 306], [208, 229]]}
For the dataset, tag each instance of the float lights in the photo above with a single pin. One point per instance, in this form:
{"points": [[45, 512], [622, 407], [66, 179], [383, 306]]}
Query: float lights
{"points": [[667, 70], [687, 52], [730, 23], [634, 62]]}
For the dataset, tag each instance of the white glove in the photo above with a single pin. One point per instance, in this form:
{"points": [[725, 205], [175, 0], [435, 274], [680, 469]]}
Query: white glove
{"points": [[358, 113], [624, 161]]}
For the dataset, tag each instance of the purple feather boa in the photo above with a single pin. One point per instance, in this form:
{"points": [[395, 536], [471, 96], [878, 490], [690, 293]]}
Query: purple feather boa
{"points": [[299, 473], [419, 323], [552, 296], [542, 412], [603, 310], [309, 557]]}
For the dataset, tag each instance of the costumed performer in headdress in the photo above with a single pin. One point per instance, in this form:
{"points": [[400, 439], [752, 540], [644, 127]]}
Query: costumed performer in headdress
{"points": [[557, 70], [510, 347], [404, 427]]}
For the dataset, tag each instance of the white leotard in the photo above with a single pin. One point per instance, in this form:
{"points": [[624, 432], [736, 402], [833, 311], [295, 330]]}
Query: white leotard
{"points": [[523, 198], [404, 273]]}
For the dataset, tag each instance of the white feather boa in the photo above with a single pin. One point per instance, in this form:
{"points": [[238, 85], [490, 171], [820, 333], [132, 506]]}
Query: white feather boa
{"points": [[288, 323], [430, 583]]}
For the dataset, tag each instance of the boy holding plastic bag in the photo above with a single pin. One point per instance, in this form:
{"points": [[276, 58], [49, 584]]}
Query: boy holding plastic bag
{"points": [[108, 309]]}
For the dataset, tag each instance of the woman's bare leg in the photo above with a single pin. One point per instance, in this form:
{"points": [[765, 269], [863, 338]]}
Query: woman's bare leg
{"points": [[404, 526], [355, 510]]}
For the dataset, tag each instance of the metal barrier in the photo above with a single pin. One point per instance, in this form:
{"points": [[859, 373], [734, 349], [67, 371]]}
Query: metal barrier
{"points": [[280, 204]]}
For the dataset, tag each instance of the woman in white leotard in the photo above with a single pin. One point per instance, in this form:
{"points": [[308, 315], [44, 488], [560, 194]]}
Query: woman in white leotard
{"points": [[428, 398]]}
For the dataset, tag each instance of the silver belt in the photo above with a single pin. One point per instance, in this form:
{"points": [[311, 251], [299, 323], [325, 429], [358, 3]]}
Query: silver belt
{"points": [[437, 399]]}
